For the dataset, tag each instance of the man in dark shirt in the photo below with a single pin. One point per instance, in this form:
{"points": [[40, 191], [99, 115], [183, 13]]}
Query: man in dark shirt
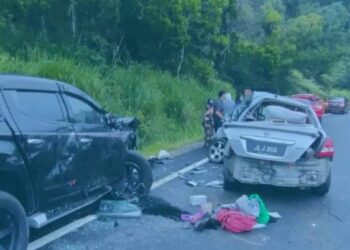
{"points": [[219, 110]]}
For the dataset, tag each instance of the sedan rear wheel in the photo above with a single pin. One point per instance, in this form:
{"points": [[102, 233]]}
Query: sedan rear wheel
{"points": [[216, 150]]}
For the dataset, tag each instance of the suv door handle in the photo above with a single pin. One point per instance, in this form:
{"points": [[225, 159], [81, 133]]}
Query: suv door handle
{"points": [[35, 141], [85, 140]]}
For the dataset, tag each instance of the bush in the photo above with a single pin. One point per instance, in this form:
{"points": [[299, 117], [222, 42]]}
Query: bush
{"points": [[170, 109]]}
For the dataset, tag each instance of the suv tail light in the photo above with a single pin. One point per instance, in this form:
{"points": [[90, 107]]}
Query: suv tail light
{"points": [[327, 150]]}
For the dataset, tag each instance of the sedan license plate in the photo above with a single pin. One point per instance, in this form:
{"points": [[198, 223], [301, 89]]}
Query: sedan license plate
{"points": [[266, 148]]}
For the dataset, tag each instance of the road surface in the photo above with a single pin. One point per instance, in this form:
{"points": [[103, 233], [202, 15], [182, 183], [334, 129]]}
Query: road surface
{"points": [[309, 221]]}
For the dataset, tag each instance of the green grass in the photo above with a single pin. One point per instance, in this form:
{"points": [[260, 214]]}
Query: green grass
{"points": [[170, 109]]}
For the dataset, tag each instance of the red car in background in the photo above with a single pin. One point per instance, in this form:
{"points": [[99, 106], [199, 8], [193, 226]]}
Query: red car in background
{"points": [[316, 103]]}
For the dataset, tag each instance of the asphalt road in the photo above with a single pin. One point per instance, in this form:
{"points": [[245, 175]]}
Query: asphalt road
{"points": [[309, 221]]}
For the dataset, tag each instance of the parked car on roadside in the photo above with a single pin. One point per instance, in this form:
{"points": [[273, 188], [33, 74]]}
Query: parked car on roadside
{"points": [[338, 105], [316, 103], [59, 152], [277, 141]]}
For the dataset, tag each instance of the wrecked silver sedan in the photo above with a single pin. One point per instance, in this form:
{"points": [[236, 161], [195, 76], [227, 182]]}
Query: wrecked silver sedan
{"points": [[277, 141]]}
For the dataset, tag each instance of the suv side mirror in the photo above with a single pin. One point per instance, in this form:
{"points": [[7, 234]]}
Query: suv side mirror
{"points": [[111, 119]]}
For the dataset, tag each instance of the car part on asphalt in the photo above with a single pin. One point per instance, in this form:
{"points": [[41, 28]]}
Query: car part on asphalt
{"points": [[215, 184], [118, 209], [196, 200]]}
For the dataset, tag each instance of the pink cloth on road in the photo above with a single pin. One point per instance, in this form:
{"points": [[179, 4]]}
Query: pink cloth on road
{"points": [[235, 221]]}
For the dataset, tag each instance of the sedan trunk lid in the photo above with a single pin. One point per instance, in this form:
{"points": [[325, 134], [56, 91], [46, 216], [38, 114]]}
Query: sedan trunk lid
{"points": [[270, 140]]}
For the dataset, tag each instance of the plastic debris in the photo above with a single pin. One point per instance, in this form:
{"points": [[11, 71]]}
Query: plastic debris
{"points": [[259, 226], [118, 209], [183, 177], [275, 215], [196, 200], [264, 216], [195, 171], [207, 207], [215, 184], [193, 218], [163, 155], [192, 183]]}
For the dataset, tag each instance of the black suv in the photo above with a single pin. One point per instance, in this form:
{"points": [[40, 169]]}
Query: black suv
{"points": [[60, 151]]}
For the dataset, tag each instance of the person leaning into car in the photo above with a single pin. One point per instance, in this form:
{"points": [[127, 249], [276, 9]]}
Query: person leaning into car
{"points": [[219, 110]]}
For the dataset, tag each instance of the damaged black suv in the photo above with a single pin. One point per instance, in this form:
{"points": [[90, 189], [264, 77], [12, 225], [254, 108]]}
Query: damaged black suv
{"points": [[60, 151]]}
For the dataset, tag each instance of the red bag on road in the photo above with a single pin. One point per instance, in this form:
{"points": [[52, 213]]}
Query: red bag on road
{"points": [[235, 221]]}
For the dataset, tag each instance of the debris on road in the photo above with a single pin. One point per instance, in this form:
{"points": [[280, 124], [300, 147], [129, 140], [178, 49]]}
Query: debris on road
{"points": [[245, 214], [196, 200], [163, 155], [245, 205], [193, 218], [118, 209], [207, 207], [235, 221], [195, 171], [154, 161], [156, 206], [192, 183], [275, 215], [183, 176], [215, 184]]}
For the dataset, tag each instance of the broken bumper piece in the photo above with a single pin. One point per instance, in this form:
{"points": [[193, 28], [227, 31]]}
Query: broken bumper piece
{"points": [[311, 173]]}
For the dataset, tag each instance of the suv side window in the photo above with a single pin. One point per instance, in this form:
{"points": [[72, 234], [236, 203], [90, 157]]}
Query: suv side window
{"points": [[39, 105], [83, 112]]}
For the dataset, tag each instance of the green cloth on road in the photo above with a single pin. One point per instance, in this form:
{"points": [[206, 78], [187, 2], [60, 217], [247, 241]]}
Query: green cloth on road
{"points": [[264, 216]]}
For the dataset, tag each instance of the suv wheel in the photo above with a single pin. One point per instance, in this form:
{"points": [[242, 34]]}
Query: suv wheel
{"points": [[138, 178], [216, 150], [14, 231]]}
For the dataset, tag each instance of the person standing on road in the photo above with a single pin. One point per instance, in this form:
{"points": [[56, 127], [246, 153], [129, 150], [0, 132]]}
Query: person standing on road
{"points": [[229, 106], [219, 110], [208, 123], [248, 96]]}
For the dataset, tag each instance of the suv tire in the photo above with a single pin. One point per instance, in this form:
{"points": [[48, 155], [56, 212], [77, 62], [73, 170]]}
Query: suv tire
{"points": [[12, 214], [138, 178]]}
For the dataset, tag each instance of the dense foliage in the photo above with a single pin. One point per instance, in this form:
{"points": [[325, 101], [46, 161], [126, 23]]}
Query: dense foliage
{"points": [[265, 44], [282, 46]]}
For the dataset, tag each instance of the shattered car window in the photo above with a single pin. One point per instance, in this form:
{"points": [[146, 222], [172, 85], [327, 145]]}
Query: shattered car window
{"points": [[278, 112], [237, 112]]}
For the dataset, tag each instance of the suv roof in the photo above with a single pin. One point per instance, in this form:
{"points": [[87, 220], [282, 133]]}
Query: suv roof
{"points": [[21, 82]]}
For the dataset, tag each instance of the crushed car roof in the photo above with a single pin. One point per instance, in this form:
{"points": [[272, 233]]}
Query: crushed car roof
{"points": [[259, 96]]}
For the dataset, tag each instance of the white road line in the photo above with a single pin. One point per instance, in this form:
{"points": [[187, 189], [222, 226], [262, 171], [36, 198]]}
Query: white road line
{"points": [[81, 222], [175, 175], [61, 232]]}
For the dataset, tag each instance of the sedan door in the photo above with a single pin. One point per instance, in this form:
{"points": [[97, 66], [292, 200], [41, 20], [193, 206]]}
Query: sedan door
{"points": [[97, 154]]}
